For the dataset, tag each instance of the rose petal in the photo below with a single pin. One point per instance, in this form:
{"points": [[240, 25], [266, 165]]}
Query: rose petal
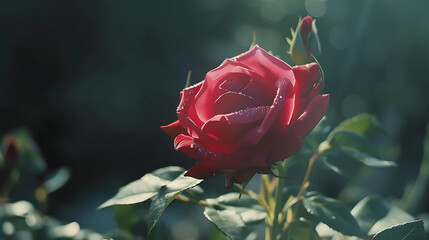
{"points": [[210, 90], [311, 116], [227, 128], [306, 76], [185, 144], [287, 144], [238, 176], [227, 163], [191, 127], [202, 170], [259, 89], [215, 146], [186, 110], [284, 88], [266, 65], [173, 129], [235, 84], [232, 102]]}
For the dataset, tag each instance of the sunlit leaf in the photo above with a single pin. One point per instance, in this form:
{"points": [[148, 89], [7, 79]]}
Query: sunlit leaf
{"points": [[365, 124], [333, 213], [227, 221], [350, 141], [166, 195], [346, 162], [406, 231], [344, 148], [374, 214], [145, 187], [248, 208]]}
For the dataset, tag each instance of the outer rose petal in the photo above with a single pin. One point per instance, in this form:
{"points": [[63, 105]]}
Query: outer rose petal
{"points": [[315, 110], [186, 110], [286, 145], [266, 65], [228, 128], [306, 76], [173, 129], [185, 144]]}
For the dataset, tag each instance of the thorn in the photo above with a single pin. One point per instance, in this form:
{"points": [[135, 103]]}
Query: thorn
{"points": [[188, 79]]}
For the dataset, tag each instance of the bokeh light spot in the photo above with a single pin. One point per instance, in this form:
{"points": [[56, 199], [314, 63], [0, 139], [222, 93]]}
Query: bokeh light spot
{"points": [[316, 8], [8, 228]]}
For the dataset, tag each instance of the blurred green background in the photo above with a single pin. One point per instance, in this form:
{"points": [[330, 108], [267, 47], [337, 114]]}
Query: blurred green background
{"points": [[94, 80]]}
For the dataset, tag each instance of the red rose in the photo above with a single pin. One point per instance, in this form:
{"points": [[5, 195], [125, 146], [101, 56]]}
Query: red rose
{"points": [[250, 112]]}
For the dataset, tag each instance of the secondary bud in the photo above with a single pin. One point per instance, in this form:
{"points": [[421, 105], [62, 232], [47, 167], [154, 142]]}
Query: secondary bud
{"points": [[11, 153], [303, 39]]}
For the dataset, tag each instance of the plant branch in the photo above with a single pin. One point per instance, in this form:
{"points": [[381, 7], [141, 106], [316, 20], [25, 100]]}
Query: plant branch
{"points": [[304, 186], [199, 203]]}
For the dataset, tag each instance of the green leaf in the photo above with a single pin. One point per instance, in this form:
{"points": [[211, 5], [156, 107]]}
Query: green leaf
{"points": [[406, 231], [333, 213], [350, 141], [250, 211], [215, 234], [374, 214], [370, 161], [365, 124], [346, 162], [300, 230], [145, 187], [339, 162], [227, 221], [126, 217], [343, 148], [166, 195]]}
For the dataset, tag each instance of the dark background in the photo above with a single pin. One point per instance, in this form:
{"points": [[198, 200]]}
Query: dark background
{"points": [[94, 80]]}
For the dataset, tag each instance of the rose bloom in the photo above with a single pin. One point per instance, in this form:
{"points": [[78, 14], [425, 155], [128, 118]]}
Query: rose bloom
{"points": [[248, 113]]}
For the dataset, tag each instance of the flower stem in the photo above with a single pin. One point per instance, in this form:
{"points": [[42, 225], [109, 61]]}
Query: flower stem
{"points": [[199, 203], [304, 186], [276, 227]]}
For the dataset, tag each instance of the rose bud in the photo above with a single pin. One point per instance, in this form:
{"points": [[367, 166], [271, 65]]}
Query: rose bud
{"points": [[11, 153], [250, 112], [303, 38]]}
